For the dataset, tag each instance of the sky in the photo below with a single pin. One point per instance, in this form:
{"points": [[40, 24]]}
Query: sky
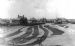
{"points": [[37, 8]]}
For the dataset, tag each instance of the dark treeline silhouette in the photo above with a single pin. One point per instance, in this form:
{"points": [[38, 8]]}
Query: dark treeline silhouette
{"points": [[35, 21], [24, 21]]}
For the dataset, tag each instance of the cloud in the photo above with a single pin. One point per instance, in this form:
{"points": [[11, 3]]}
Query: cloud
{"points": [[37, 8], [31, 8]]}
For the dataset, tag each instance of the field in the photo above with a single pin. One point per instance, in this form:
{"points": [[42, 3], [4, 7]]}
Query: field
{"points": [[66, 39]]}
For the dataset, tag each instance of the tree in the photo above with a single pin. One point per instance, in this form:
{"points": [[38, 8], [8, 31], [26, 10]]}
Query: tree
{"points": [[23, 20]]}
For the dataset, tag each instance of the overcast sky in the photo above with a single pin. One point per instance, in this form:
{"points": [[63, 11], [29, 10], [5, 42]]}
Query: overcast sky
{"points": [[37, 8]]}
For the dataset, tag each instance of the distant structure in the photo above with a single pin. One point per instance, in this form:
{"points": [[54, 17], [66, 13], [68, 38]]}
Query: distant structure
{"points": [[61, 21], [23, 20], [19, 17], [43, 20]]}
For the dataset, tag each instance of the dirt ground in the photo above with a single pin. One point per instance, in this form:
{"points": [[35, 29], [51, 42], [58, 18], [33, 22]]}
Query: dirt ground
{"points": [[67, 39]]}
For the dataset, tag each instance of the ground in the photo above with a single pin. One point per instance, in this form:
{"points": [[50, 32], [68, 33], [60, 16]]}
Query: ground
{"points": [[67, 38]]}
